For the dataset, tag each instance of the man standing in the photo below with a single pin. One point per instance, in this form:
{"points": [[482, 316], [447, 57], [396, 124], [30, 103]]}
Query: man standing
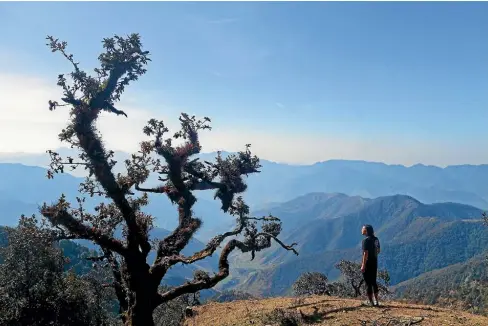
{"points": [[369, 268]]}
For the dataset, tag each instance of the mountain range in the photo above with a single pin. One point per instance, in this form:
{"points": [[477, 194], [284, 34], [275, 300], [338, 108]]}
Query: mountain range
{"points": [[467, 184], [415, 237], [432, 224], [24, 188]]}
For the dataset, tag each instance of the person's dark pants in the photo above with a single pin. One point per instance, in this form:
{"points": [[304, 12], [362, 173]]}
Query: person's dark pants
{"points": [[369, 276]]}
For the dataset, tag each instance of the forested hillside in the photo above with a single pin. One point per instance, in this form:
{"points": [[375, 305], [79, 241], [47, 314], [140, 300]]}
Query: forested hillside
{"points": [[462, 285], [416, 238]]}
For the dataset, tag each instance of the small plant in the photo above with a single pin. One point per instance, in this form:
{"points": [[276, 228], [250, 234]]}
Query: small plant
{"points": [[282, 317], [352, 283], [311, 284]]}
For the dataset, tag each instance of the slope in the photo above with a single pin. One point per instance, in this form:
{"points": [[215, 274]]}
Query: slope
{"points": [[462, 284]]}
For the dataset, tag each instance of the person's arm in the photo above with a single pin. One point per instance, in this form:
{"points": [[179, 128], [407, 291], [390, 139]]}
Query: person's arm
{"points": [[378, 246], [365, 258], [365, 255]]}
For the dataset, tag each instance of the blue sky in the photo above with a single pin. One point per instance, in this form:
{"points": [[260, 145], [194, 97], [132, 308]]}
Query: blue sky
{"points": [[393, 82]]}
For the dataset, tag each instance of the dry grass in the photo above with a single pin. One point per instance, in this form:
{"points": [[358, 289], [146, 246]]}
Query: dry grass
{"points": [[329, 311]]}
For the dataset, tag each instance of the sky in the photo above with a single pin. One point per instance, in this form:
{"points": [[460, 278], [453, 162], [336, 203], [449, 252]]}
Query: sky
{"points": [[400, 83]]}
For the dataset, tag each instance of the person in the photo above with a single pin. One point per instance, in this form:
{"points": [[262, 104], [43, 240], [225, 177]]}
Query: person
{"points": [[369, 267]]}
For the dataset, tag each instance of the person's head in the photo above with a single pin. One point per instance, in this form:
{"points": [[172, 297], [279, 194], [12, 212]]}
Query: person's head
{"points": [[367, 230]]}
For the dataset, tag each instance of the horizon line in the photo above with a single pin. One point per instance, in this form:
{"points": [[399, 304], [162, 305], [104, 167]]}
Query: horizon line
{"points": [[261, 158]]}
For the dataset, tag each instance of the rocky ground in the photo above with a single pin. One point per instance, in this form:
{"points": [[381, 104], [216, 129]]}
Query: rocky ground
{"points": [[331, 311]]}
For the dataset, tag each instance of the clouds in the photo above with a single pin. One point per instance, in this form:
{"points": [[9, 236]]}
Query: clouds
{"points": [[24, 116], [28, 126]]}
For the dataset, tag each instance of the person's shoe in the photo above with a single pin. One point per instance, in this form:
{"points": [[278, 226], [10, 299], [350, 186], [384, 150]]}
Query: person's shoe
{"points": [[377, 304], [368, 303]]}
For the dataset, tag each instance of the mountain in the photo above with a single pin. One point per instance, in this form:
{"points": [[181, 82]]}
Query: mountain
{"points": [[24, 188], [319, 221], [11, 209], [30, 185], [429, 184], [467, 184], [415, 237]]}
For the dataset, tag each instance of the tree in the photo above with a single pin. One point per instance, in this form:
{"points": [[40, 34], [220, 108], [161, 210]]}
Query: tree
{"points": [[352, 276], [35, 290], [311, 284], [180, 172]]}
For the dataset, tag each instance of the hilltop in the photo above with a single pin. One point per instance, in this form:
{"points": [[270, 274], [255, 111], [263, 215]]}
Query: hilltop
{"points": [[329, 311]]}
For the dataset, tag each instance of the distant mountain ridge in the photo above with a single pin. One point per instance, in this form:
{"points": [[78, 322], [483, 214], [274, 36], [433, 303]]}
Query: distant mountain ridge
{"points": [[24, 188], [467, 184]]}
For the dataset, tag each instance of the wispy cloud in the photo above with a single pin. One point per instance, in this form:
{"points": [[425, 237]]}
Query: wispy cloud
{"points": [[280, 105]]}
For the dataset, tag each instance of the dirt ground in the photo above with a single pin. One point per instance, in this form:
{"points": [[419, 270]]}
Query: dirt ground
{"points": [[327, 311]]}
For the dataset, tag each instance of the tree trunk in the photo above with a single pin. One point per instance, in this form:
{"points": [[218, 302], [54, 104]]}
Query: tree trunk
{"points": [[357, 289], [357, 292], [140, 314], [140, 309]]}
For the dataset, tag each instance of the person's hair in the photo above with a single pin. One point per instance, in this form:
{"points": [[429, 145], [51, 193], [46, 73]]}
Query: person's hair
{"points": [[369, 230]]}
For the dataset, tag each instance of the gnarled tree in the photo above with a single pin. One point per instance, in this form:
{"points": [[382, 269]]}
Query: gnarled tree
{"points": [[352, 280], [311, 283], [181, 173]]}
